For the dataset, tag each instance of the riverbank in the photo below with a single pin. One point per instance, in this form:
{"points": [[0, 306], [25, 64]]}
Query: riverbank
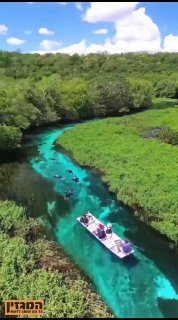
{"points": [[170, 246], [36, 268], [16, 151], [136, 163], [151, 271]]}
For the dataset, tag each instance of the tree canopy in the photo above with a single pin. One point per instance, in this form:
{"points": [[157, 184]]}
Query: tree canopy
{"points": [[37, 90]]}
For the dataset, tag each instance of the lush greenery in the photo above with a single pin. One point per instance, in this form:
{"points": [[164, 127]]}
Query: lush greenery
{"points": [[32, 267], [38, 90], [137, 161], [10, 137]]}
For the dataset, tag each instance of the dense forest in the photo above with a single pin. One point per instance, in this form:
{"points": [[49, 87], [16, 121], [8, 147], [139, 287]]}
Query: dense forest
{"points": [[33, 267], [137, 156], [37, 90]]}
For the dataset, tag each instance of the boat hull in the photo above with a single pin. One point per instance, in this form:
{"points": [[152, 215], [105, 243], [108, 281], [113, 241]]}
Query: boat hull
{"points": [[109, 241]]}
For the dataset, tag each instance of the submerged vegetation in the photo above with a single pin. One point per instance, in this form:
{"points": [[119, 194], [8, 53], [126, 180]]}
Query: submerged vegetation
{"points": [[32, 267], [37, 90], [139, 166]]}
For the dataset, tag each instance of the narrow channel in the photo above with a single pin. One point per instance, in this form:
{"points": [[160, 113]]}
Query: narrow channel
{"points": [[145, 285]]}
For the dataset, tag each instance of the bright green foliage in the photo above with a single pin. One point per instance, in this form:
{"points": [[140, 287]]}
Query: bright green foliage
{"points": [[165, 88], [34, 103], [11, 217], [140, 168], [34, 268], [10, 137], [37, 90], [23, 66], [112, 97], [64, 298], [77, 99], [142, 91], [46, 98]]}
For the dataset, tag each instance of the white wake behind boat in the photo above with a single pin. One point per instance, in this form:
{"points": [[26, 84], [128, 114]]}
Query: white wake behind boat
{"points": [[109, 240]]}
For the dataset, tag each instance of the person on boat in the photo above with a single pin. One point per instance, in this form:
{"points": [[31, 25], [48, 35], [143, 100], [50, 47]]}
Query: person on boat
{"points": [[127, 247], [70, 171], [101, 225], [109, 228], [100, 231], [75, 179], [84, 219], [89, 215], [118, 245]]}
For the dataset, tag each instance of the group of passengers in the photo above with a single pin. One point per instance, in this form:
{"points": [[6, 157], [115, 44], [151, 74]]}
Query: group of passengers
{"points": [[124, 246], [102, 233]]}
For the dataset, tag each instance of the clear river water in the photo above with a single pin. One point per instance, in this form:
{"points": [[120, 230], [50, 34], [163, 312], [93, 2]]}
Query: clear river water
{"points": [[144, 285]]}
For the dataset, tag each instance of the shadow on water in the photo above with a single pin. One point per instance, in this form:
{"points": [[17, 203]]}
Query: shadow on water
{"points": [[20, 183], [131, 261], [168, 307], [128, 262], [17, 155]]}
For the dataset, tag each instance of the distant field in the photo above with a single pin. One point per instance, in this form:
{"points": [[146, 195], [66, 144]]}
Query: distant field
{"points": [[140, 168]]}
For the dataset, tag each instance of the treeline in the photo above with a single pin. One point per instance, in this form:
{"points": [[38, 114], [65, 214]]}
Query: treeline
{"points": [[27, 104], [32, 267], [37, 90], [152, 67]]}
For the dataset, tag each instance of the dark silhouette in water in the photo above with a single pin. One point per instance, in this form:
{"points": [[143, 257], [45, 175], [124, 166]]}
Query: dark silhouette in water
{"points": [[75, 179], [52, 158], [70, 171], [68, 194], [62, 178], [59, 177], [168, 307]]}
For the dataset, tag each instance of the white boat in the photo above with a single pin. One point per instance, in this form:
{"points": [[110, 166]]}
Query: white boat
{"points": [[112, 241]]}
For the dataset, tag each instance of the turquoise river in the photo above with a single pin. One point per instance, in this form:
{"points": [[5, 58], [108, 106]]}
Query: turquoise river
{"points": [[145, 285]]}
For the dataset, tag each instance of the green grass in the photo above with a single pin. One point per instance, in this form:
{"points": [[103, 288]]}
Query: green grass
{"points": [[142, 171]]}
